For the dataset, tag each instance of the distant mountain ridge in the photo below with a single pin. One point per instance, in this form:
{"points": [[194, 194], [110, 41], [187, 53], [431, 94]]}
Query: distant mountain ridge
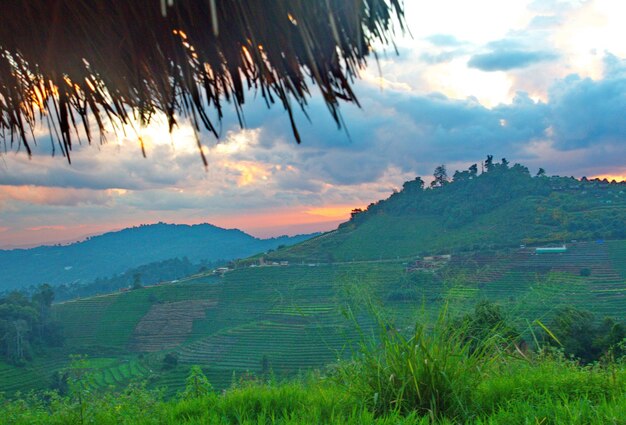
{"points": [[115, 252]]}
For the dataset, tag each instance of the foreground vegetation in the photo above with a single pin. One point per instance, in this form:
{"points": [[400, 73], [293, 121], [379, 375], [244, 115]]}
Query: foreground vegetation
{"points": [[291, 319], [442, 375]]}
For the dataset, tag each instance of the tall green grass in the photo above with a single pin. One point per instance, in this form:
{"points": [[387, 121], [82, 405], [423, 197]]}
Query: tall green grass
{"points": [[439, 374], [433, 371]]}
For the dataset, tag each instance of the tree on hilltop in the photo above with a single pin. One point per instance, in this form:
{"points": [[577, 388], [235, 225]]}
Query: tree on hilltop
{"points": [[441, 176], [489, 163], [473, 170], [461, 176]]}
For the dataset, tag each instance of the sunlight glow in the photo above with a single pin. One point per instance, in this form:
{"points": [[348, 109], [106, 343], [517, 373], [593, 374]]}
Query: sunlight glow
{"points": [[249, 172], [457, 81], [336, 212], [610, 177]]}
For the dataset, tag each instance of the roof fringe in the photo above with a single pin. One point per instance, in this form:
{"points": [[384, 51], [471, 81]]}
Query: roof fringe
{"points": [[114, 59]]}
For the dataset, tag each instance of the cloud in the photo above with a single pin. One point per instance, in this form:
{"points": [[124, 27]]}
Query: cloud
{"points": [[588, 112], [398, 130], [505, 60], [38, 195], [440, 57], [545, 22], [417, 115], [444, 40]]}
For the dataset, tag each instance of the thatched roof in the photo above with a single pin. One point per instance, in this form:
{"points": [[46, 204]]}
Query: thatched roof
{"points": [[68, 62]]}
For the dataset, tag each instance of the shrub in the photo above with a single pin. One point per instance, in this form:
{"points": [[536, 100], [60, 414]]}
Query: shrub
{"points": [[431, 372], [170, 361], [196, 385]]}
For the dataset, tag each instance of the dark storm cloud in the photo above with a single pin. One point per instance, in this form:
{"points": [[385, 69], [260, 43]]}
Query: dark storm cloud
{"points": [[588, 112]]}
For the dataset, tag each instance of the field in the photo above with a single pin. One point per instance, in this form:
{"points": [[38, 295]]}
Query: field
{"points": [[286, 320], [388, 237], [428, 379]]}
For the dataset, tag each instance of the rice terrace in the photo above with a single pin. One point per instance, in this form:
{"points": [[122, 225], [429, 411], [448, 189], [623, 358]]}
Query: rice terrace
{"points": [[291, 316], [187, 236]]}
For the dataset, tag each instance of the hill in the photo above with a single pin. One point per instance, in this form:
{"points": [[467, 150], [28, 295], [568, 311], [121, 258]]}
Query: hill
{"points": [[115, 252], [312, 309], [502, 207], [298, 317]]}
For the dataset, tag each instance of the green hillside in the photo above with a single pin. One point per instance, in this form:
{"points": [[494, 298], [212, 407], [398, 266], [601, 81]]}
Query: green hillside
{"points": [[456, 243], [503, 207], [304, 316]]}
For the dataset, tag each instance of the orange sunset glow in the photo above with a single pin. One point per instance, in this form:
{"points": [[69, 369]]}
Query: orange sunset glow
{"points": [[287, 220], [611, 177]]}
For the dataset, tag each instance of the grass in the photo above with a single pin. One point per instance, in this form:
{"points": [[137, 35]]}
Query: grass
{"points": [[295, 316], [430, 376]]}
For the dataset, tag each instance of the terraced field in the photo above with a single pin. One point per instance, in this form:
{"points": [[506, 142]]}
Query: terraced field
{"points": [[36, 375], [299, 317], [590, 275]]}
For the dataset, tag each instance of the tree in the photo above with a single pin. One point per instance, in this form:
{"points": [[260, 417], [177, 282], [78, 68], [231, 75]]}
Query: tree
{"points": [[575, 332], [441, 176], [137, 281], [355, 212], [18, 317], [196, 385], [473, 169], [612, 338], [505, 163], [43, 300], [486, 321], [461, 176], [489, 163], [79, 374], [170, 361], [413, 186], [541, 172]]}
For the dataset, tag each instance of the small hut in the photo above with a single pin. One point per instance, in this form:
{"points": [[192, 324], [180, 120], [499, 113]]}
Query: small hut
{"points": [[551, 250]]}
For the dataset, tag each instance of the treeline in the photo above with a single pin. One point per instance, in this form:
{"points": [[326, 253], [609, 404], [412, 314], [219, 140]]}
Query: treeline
{"points": [[26, 325], [577, 333], [148, 274], [566, 205]]}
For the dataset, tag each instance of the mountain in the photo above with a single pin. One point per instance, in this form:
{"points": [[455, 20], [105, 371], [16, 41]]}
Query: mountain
{"points": [[115, 252], [299, 315], [503, 207], [296, 317]]}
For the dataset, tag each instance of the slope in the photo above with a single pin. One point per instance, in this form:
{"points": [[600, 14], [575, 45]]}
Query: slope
{"points": [[297, 317], [115, 252], [504, 207]]}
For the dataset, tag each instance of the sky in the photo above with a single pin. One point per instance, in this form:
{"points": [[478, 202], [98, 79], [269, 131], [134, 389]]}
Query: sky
{"points": [[542, 83]]}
